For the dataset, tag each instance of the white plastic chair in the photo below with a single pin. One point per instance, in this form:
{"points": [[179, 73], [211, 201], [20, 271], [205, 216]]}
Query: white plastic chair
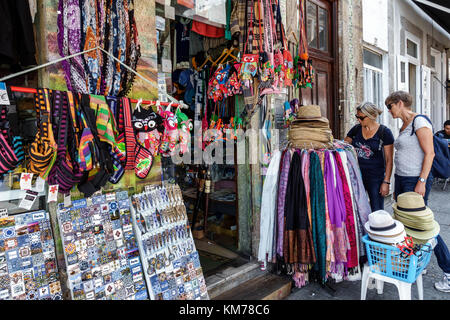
{"points": [[404, 288]]}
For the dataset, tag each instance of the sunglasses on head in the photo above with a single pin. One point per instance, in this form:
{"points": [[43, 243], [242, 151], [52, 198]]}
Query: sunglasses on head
{"points": [[359, 117]]}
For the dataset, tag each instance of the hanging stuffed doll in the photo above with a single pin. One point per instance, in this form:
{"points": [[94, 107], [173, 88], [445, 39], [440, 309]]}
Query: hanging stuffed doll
{"points": [[146, 124], [169, 138], [234, 85], [217, 89], [184, 131]]}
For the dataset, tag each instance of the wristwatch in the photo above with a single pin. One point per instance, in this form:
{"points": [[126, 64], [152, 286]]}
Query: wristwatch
{"points": [[421, 179], [387, 182]]}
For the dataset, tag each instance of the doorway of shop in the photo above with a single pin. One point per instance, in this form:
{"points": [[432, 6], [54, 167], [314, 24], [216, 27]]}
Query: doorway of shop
{"points": [[321, 26], [212, 189]]}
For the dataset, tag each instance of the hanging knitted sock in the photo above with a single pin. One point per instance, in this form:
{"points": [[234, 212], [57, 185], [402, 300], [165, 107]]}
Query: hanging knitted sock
{"points": [[143, 162]]}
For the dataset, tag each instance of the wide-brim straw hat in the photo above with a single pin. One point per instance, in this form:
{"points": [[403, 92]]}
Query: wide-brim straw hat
{"points": [[310, 113], [417, 218], [383, 228]]}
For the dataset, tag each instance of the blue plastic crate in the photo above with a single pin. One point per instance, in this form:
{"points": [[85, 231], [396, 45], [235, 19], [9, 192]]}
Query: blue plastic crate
{"points": [[385, 259]]}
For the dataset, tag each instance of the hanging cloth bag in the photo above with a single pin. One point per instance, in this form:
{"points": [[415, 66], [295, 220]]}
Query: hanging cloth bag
{"points": [[271, 85], [42, 152], [63, 173], [8, 158], [249, 67], [103, 169]]}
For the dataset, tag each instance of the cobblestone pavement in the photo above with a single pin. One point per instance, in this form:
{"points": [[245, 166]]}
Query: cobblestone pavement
{"points": [[439, 202]]}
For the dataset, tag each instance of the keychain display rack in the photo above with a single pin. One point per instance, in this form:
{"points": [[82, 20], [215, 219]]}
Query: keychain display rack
{"points": [[28, 269], [169, 257], [100, 249]]}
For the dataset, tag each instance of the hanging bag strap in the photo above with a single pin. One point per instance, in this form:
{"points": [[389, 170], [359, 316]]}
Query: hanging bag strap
{"points": [[251, 27], [130, 139], [279, 24], [259, 24]]}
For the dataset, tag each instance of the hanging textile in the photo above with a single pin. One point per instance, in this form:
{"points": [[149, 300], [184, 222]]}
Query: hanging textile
{"points": [[336, 209], [318, 215], [282, 186], [297, 244], [69, 42], [268, 207], [87, 24], [352, 255]]}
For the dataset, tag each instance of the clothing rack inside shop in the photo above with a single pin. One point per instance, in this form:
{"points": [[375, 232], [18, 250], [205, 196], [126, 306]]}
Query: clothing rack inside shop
{"points": [[33, 90]]}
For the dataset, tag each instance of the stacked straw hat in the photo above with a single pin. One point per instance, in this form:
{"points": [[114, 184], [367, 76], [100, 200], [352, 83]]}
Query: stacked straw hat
{"points": [[310, 129], [417, 218], [383, 228]]}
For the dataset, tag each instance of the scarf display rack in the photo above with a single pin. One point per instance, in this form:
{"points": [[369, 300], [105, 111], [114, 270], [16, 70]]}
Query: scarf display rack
{"points": [[314, 209]]}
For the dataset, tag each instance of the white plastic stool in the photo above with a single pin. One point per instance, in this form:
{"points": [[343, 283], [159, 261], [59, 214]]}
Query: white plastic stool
{"points": [[404, 288]]}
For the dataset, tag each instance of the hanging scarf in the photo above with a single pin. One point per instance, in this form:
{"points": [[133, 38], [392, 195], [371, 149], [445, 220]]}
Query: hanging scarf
{"points": [[282, 185], [69, 42], [318, 215], [133, 51], [305, 175], [336, 209], [90, 38], [354, 273], [268, 209], [298, 245], [361, 200], [352, 254], [330, 259]]}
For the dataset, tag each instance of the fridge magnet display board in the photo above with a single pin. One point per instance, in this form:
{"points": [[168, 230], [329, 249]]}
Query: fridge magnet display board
{"points": [[100, 249]]}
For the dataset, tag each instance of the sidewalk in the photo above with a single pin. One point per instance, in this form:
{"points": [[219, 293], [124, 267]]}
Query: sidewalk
{"points": [[439, 202]]}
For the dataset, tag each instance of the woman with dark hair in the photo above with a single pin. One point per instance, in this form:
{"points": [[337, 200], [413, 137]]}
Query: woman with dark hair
{"points": [[414, 154]]}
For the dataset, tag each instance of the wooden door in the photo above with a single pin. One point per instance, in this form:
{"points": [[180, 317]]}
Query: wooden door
{"points": [[321, 26]]}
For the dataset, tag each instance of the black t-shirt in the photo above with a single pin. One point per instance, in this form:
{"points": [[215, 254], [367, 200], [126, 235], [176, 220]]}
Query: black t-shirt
{"points": [[370, 151]]}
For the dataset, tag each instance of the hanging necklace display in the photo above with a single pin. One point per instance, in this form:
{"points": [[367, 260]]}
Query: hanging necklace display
{"points": [[28, 269], [170, 260], [100, 250]]}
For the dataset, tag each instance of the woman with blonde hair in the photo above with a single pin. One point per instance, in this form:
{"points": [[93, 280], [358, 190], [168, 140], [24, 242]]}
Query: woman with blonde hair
{"points": [[414, 155], [373, 143]]}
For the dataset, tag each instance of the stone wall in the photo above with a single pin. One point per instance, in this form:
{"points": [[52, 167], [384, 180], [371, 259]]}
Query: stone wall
{"points": [[350, 37]]}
